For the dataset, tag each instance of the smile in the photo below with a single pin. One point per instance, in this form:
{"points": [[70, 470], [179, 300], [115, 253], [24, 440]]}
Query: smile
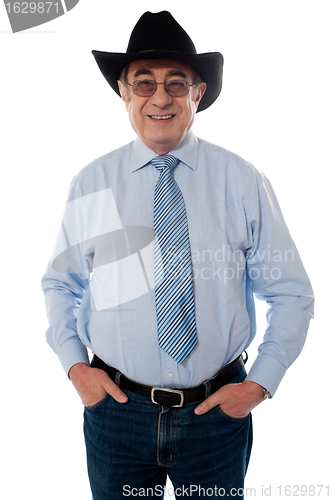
{"points": [[158, 117]]}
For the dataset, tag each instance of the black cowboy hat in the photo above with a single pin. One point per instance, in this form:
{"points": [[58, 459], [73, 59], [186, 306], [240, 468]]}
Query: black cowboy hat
{"points": [[159, 36]]}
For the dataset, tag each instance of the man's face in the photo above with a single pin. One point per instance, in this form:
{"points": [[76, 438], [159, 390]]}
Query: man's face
{"points": [[161, 135]]}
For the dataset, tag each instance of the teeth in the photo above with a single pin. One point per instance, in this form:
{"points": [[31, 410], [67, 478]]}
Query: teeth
{"points": [[157, 117]]}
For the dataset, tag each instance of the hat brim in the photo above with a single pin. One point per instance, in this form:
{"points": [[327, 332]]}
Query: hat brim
{"points": [[209, 66]]}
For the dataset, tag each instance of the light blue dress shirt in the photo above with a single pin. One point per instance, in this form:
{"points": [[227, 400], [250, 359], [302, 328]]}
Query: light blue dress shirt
{"points": [[99, 284]]}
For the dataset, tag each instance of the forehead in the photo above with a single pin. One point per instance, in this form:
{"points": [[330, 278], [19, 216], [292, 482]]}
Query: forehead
{"points": [[159, 67]]}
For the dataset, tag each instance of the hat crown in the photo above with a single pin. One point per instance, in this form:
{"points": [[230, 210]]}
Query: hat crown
{"points": [[159, 31]]}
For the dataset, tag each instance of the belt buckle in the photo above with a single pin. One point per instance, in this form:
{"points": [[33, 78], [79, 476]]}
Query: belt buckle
{"points": [[163, 389]]}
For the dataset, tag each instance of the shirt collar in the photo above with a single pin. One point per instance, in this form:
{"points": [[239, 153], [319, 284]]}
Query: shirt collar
{"points": [[186, 151]]}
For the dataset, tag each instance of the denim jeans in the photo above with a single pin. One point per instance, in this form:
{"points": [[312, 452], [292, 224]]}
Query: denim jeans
{"points": [[132, 447]]}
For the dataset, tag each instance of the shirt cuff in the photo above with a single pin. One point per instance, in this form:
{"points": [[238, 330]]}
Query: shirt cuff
{"points": [[267, 372], [71, 352]]}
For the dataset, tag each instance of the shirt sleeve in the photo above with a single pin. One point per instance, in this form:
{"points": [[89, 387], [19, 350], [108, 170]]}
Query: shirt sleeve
{"points": [[64, 284], [277, 276]]}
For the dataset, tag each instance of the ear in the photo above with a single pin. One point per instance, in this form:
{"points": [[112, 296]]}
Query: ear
{"points": [[123, 89], [199, 94]]}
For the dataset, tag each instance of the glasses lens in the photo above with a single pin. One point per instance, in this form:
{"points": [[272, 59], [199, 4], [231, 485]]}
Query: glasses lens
{"points": [[144, 88], [177, 87]]}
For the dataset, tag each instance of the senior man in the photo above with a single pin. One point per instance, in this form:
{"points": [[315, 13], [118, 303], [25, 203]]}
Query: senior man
{"points": [[164, 243]]}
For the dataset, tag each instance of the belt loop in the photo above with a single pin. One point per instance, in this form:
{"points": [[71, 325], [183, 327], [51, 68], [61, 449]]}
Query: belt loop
{"points": [[207, 388], [117, 378]]}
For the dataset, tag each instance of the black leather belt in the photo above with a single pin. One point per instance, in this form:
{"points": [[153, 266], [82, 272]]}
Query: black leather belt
{"points": [[175, 397]]}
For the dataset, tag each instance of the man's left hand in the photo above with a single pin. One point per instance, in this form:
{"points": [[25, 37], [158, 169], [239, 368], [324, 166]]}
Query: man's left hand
{"points": [[236, 400]]}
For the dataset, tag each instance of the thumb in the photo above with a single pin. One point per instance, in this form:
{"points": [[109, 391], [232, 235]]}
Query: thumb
{"points": [[113, 390], [208, 404]]}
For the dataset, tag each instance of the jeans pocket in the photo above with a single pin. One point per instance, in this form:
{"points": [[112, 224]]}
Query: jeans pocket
{"points": [[100, 403], [228, 417]]}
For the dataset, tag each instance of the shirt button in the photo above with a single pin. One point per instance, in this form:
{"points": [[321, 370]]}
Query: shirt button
{"points": [[170, 375]]}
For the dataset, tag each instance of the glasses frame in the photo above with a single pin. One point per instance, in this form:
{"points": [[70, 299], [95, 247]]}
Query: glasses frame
{"points": [[188, 85]]}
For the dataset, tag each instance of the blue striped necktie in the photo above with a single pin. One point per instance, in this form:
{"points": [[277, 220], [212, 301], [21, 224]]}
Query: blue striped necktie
{"points": [[172, 265]]}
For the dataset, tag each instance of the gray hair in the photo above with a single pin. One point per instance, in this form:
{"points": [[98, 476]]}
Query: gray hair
{"points": [[123, 74]]}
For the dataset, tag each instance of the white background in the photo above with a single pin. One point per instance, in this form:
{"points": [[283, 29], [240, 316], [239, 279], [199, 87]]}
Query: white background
{"points": [[58, 113]]}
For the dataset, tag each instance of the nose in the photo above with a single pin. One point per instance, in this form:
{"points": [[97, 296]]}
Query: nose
{"points": [[160, 98]]}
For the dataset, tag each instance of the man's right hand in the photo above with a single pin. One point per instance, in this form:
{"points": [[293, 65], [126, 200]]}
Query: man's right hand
{"points": [[93, 384]]}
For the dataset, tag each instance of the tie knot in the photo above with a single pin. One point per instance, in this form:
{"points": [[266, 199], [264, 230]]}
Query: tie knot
{"points": [[160, 162]]}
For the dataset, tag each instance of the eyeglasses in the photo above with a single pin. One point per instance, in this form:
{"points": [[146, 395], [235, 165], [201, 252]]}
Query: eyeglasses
{"points": [[175, 88]]}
